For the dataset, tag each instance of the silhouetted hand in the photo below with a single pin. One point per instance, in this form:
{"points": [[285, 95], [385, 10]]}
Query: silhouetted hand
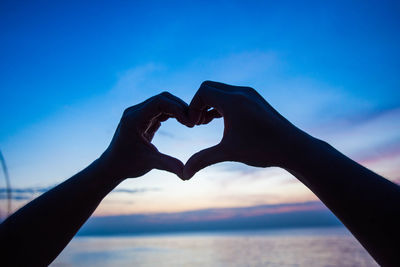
{"points": [[255, 133], [131, 153]]}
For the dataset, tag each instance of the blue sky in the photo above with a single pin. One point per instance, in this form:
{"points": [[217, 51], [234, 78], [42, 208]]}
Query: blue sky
{"points": [[68, 69]]}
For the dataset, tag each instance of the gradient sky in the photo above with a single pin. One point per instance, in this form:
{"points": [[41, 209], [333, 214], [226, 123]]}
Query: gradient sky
{"points": [[69, 68]]}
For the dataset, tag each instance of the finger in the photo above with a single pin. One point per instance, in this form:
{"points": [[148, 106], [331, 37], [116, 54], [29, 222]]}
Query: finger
{"points": [[149, 133], [202, 159], [164, 104], [184, 105], [205, 97], [167, 163], [176, 99], [155, 124], [174, 110], [163, 117], [223, 86], [208, 116]]}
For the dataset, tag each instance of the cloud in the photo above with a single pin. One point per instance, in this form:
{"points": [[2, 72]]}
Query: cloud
{"points": [[371, 138], [166, 134], [28, 193], [308, 214], [23, 193], [16, 197], [364, 129], [134, 80], [26, 190], [208, 215], [135, 191]]}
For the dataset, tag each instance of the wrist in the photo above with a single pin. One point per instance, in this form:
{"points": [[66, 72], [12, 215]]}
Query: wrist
{"points": [[310, 161], [107, 167], [304, 151]]}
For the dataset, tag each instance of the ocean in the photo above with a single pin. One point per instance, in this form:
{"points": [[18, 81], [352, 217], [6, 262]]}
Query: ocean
{"points": [[333, 246]]}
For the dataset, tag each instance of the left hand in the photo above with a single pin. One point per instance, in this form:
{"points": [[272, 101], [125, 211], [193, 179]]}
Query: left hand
{"points": [[131, 153]]}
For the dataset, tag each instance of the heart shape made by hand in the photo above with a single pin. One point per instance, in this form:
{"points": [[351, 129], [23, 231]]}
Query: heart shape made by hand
{"points": [[182, 142], [253, 132]]}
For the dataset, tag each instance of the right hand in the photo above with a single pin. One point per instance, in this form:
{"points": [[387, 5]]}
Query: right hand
{"points": [[255, 133]]}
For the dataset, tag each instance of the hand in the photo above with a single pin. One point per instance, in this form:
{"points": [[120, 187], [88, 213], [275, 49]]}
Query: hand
{"points": [[131, 153], [255, 133]]}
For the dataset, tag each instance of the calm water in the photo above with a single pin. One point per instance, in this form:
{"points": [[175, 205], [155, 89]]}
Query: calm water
{"points": [[295, 247]]}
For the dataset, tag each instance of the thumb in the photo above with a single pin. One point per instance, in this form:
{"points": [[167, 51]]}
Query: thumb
{"points": [[202, 159], [168, 163]]}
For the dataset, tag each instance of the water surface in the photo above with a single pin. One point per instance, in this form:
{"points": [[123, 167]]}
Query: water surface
{"points": [[294, 247]]}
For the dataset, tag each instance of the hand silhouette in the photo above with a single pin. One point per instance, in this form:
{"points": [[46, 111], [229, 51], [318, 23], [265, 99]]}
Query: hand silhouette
{"points": [[131, 153], [255, 133]]}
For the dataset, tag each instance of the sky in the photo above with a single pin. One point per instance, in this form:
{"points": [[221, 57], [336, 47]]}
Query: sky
{"points": [[68, 69]]}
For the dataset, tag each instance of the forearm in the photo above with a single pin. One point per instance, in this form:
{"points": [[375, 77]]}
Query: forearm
{"points": [[39, 231], [366, 203]]}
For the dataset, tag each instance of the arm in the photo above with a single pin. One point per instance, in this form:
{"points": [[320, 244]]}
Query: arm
{"points": [[39, 231], [257, 135]]}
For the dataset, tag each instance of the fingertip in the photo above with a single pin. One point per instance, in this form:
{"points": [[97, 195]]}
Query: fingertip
{"points": [[190, 123], [185, 121], [194, 116], [179, 169], [187, 174], [170, 164], [203, 159]]}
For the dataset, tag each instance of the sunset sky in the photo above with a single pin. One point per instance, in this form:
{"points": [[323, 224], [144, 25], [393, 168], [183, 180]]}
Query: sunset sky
{"points": [[69, 69]]}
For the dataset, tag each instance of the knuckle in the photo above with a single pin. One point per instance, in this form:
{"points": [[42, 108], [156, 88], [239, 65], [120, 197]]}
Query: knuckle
{"points": [[240, 96], [205, 83], [126, 112], [125, 121], [238, 99], [249, 90], [252, 93], [165, 94], [156, 100], [206, 87], [132, 110]]}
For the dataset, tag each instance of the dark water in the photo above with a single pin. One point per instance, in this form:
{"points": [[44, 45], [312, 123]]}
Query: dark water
{"points": [[294, 247]]}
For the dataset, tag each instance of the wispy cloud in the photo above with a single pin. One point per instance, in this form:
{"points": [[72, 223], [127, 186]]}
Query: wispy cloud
{"points": [[371, 138], [28, 193], [240, 212], [135, 191], [255, 217], [166, 134]]}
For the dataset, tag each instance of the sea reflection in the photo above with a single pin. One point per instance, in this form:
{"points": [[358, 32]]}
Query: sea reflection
{"points": [[295, 247]]}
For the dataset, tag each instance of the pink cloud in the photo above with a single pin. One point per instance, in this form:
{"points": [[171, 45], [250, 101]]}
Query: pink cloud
{"points": [[228, 213]]}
